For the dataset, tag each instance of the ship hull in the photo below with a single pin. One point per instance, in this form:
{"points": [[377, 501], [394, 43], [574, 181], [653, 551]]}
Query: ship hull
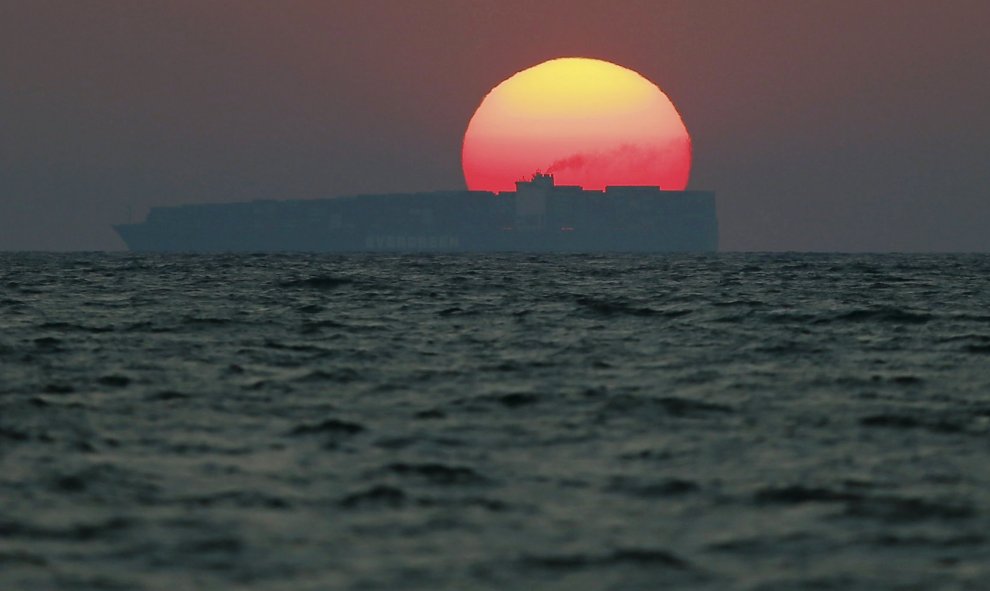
{"points": [[558, 219]]}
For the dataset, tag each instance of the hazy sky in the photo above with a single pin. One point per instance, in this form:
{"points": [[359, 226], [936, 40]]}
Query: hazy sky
{"points": [[822, 124]]}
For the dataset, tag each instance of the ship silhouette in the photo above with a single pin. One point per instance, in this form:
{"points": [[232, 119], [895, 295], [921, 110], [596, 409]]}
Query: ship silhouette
{"points": [[539, 216]]}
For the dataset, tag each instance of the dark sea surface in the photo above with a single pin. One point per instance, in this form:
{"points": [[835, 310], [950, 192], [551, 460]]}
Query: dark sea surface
{"points": [[751, 422]]}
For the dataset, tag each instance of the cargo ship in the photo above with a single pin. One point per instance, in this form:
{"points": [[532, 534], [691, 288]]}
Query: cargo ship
{"points": [[539, 216]]}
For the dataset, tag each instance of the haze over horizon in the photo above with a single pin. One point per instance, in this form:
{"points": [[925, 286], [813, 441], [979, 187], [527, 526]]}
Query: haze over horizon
{"points": [[824, 126]]}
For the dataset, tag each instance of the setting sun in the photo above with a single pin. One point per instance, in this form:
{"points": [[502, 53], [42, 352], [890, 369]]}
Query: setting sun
{"points": [[589, 122]]}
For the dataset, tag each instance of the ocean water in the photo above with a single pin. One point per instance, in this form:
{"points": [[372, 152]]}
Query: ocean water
{"points": [[751, 422]]}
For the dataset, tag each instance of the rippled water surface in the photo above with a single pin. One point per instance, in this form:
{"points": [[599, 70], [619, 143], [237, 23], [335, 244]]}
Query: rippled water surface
{"points": [[754, 422]]}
